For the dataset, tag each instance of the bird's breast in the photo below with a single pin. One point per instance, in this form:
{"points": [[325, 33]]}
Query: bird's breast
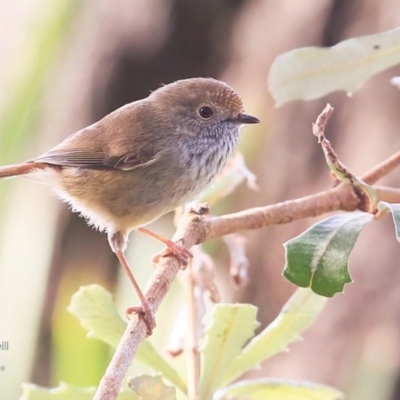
{"points": [[123, 200]]}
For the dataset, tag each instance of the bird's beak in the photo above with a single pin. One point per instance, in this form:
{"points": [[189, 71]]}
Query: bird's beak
{"points": [[245, 119]]}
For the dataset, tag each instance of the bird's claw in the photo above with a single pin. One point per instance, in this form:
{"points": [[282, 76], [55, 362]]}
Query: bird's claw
{"points": [[144, 312], [177, 250]]}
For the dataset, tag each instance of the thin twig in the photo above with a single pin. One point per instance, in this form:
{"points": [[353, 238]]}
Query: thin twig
{"points": [[339, 198], [382, 169], [388, 194]]}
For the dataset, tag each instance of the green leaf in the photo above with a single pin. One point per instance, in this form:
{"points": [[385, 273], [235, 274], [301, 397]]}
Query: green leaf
{"points": [[95, 309], [318, 257], [149, 387], [311, 72], [66, 392], [297, 315], [395, 210], [277, 389], [231, 327]]}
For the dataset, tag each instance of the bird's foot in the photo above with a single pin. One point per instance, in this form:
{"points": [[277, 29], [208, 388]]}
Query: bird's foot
{"points": [[174, 249], [145, 312]]}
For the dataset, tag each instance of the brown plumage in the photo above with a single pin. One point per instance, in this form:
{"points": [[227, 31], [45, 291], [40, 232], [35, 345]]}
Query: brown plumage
{"points": [[143, 160]]}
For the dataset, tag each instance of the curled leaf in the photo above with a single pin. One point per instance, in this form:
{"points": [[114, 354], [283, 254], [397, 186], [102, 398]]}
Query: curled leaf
{"points": [[318, 258]]}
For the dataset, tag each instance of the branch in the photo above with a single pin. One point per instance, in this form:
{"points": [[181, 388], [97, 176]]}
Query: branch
{"points": [[382, 169], [388, 194], [191, 230], [339, 198]]}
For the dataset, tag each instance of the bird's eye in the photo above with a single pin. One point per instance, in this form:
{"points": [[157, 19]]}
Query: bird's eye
{"points": [[206, 112]]}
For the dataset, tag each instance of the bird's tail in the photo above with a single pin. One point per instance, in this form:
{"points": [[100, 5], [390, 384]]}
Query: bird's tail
{"points": [[20, 169]]}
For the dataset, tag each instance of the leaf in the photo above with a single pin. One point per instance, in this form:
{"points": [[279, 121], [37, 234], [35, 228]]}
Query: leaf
{"points": [[395, 210], [148, 355], [95, 309], [278, 389], [66, 392], [297, 314], [318, 257], [311, 72], [231, 327], [149, 387]]}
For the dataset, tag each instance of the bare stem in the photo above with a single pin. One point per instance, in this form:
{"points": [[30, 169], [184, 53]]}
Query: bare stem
{"points": [[388, 194], [382, 169], [339, 198]]}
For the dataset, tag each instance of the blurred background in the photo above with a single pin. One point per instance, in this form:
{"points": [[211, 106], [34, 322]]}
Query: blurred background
{"points": [[64, 64]]}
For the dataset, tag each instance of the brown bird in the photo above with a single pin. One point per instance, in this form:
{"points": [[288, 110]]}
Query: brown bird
{"points": [[143, 160]]}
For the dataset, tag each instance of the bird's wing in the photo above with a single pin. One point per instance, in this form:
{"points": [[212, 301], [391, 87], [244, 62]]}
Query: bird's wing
{"points": [[96, 160], [88, 149], [72, 158]]}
